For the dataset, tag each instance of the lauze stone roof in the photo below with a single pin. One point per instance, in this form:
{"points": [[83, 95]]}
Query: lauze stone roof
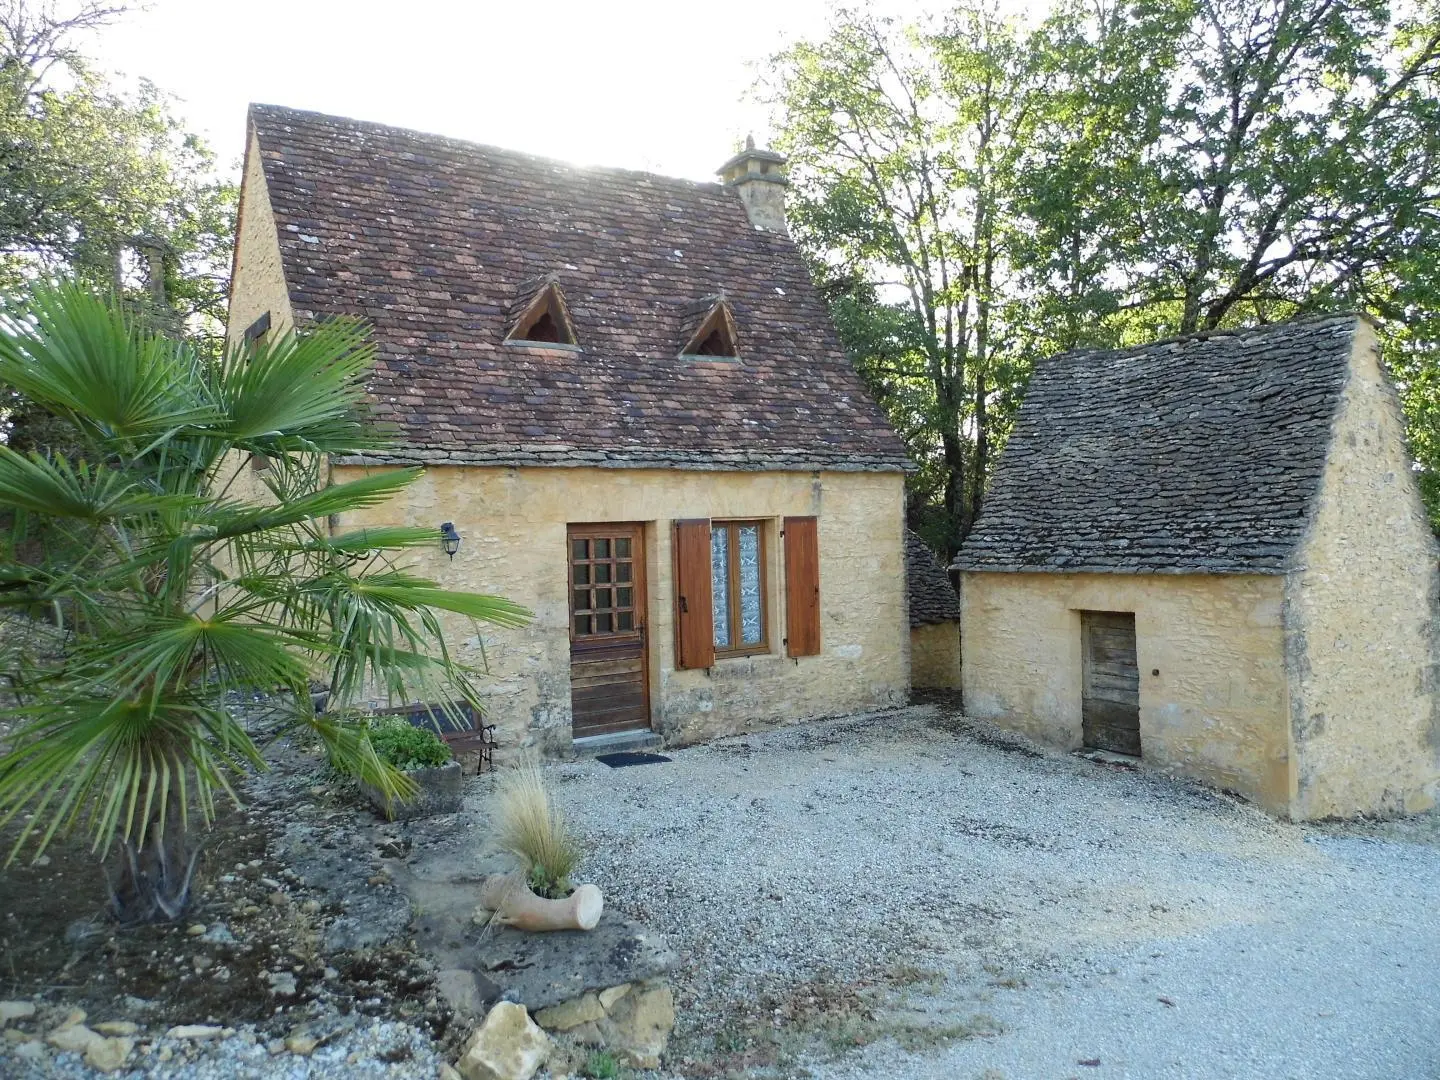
{"points": [[932, 599], [436, 242], [1200, 454]]}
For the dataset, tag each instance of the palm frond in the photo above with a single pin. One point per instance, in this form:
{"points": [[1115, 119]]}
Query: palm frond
{"points": [[52, 486], [117, 764], [299, 392], [358, 494], [81, 357]]}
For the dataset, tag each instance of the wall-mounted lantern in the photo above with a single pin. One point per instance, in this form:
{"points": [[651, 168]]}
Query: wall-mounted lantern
{"points": [[449, 539]]}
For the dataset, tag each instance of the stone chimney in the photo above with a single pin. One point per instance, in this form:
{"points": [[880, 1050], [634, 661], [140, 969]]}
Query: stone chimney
{"points": [[758, 177]]}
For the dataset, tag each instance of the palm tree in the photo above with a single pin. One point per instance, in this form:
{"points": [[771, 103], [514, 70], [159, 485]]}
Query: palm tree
{"points": [[167, 572]]}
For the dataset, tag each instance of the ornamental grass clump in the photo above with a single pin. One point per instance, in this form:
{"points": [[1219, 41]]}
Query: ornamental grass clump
{"points": [[530, 827]]}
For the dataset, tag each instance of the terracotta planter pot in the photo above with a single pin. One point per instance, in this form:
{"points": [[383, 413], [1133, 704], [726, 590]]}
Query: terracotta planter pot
{"points": [[513, 904]]}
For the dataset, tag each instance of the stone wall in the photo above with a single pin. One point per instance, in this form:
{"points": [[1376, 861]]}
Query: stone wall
{"points": [[1362, 621], [513, 524], [258, 282], [935, 656], [1216, 710]]}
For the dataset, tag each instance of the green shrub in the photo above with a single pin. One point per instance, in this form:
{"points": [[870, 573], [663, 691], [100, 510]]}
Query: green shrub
{"points": [[601, 1065], [405, 746]]}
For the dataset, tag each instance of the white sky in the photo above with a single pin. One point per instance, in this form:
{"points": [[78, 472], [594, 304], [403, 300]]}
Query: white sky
{"points": [[632, 83]]}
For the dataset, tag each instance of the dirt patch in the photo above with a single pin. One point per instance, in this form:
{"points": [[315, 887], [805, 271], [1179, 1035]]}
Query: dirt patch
{"points": [[954, 724], [250, 951], [824, 1019]]}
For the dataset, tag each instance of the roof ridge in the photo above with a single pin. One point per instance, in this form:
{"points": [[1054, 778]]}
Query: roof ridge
{"points": [[471, 144], [1308, 319]]}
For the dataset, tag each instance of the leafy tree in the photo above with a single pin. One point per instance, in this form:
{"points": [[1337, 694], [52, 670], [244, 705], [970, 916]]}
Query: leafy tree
{"points": [[902, 142], [103, 186], [974, 197], [167, 587], [1236, 161], [1212, 163]]}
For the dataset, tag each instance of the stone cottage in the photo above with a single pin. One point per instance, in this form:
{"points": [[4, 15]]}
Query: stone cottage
{"points": [[934, 619], [1211, 552], [634, 414]]}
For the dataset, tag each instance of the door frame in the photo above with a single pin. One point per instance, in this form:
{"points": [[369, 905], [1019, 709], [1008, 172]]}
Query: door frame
{"points": [[1090, 620], [641, 636]]}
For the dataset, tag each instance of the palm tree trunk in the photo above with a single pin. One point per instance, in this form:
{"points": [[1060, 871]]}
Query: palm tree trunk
{"points": [[150, 882]]}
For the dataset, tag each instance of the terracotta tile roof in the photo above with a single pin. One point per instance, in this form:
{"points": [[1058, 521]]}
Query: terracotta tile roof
{"points": [[932, 598], [439, 242], [1199, 454]]}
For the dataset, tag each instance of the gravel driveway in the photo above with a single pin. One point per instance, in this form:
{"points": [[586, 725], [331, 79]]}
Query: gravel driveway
{"points": [[1007, 912]]}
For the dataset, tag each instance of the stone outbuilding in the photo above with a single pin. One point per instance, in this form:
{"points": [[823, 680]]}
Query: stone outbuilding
{"points": [[1211, 552], [934, 619], [633, 411]]}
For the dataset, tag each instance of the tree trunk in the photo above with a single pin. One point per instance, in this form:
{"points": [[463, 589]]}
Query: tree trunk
{"points": [[982, 449], [956, 527], [150, 882]]}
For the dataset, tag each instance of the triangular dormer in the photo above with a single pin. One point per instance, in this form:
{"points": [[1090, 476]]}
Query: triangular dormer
{"points": [[542, 317], [713, 337]]}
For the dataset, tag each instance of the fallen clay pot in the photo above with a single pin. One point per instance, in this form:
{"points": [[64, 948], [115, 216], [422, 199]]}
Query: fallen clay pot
{"points": [[515, 905]]}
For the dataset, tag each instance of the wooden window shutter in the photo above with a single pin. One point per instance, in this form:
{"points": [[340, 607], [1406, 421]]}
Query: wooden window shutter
{"points": [[694, 621], [802, 587]]}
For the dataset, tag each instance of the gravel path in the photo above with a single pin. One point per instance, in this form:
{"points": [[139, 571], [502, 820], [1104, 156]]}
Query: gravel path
{"points": [[1075, 918]]}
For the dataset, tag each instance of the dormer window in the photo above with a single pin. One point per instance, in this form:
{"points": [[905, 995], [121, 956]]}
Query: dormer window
{"points": [[713, 336], [542, 319]]}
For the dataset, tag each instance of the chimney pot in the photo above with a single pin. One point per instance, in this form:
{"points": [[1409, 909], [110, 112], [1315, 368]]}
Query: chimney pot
{"points": [[758, 177]]}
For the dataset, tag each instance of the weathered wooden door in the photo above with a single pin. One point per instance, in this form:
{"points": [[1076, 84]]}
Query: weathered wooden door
{"points": [[1110, 701], [609, 680]]}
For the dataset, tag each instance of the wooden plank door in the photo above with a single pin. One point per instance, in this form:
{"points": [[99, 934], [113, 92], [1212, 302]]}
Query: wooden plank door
{"points": [[609, 674], [1110, 700]]}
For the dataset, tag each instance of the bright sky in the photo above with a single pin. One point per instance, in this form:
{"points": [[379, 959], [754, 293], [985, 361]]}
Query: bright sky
{"points": [[634, 83]]}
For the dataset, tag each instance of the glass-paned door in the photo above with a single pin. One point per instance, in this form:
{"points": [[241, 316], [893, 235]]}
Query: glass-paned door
{"points": [[609, 684]]}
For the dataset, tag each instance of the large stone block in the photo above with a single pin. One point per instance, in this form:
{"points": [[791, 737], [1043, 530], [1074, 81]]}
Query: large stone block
{"points": [[507, 1046], [633, 1022], [439, 792], [545, 970]]}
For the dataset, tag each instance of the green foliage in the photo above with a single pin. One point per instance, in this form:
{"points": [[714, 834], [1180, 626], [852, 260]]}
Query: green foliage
{"points": [[176, 577], [404, 746], [104, 186], [904, 141], [974, 196], [601, 1065], [530, 827]]}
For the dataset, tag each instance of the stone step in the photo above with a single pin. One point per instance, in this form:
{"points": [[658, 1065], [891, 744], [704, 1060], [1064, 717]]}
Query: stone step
{"points": [[618, 742]]}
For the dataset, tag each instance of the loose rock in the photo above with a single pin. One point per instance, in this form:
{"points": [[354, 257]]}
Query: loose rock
{"points": [[507, 1046], [107, 1055], [15, 1010], [198, 1032], [609, 997], [571, 1014], [74, 1038]]}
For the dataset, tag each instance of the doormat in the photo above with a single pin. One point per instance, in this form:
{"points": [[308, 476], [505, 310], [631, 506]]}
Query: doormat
{"points": [[630, 757]]}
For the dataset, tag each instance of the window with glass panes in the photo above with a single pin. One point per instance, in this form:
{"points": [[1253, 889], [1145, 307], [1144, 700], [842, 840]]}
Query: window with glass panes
{"points": [[737, 586], [602, 585]]}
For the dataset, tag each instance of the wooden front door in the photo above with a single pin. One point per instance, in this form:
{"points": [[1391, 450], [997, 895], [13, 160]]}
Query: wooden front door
{"points": [[1110, 701], [609, 677]]}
